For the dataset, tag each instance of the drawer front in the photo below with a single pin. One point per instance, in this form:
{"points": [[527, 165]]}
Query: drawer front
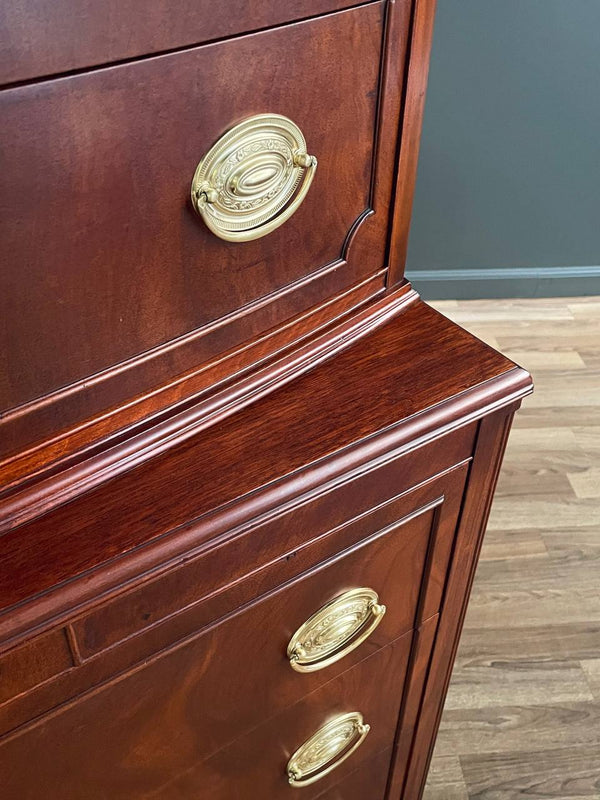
{"points": [[397, 547], [256, 765], [183, 705], [100, 166], [222, 683], [35, 662], [76, 755], [369, 782], [39, 37]]}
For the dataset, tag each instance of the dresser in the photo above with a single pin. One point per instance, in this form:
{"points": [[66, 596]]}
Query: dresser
{"points": [[245, 470]]}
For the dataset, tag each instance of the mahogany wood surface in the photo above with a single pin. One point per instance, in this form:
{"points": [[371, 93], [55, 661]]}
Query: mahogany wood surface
{"points": [[400, 374], [419, 524], [53, 448], [136, 746], [489, 451], [265, 556], [34, 663], [201, 443], [424, 638], [165, 274], [240, 665], [369, 781], [414, 108], [127, 269], [251, 766], [41, 37]]}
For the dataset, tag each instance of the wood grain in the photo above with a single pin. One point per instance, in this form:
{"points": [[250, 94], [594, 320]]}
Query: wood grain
{"points": [[48, 36], [414, 106], [273, 437], [523, 711], [126, 265]]}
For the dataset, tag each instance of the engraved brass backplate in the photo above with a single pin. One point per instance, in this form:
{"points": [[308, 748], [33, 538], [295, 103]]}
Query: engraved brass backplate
{"points": [[253, 178], [335, 630], [326, 749]]}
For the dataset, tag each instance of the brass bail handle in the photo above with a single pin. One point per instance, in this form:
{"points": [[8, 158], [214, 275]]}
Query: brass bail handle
{"points": [[253, 179], [326, 749], [335, 630]]}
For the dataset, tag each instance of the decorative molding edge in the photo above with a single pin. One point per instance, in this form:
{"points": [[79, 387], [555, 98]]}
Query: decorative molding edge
{"points": [[471, 284]]}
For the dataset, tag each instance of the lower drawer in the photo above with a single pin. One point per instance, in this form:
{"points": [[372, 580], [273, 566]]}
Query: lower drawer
{"points": [[368, 782], [76, 758], [255, 767]]}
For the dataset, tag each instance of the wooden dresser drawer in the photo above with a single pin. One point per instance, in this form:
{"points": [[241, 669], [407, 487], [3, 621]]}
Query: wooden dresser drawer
{"points": [[39, 37], [214, 687], [126, 753], [105, 184], [368, 781], [347, 536], [255, 765], [281, 549]]}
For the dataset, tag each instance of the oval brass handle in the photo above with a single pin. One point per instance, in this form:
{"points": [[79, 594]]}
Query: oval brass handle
{"points": [[244, 185], [326, 749], [335, 630]]}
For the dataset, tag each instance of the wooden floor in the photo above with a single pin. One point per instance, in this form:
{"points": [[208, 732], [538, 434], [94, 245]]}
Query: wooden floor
{"points": [[522, 717]]}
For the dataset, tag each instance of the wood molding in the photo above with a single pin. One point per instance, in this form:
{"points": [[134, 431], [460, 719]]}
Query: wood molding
{"points": [[412, 115], [66, 482], [143, 409]]}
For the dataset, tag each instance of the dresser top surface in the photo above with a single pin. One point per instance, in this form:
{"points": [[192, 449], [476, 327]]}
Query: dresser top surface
{"points": [[417, 372]]}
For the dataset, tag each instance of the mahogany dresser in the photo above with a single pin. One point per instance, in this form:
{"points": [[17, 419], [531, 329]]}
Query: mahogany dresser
{"points": [[245, 470]]}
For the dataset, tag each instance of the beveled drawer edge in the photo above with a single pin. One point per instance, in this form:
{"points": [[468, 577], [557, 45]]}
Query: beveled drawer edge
{"points": [[164, 621], [357, 459], [49, 493], [28, 77], [127, 654], [116, 577]]}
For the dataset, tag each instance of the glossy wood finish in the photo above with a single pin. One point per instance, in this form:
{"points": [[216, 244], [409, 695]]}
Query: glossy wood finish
{"points": [[252, 766], [165, 275], [34, 663], [133, 749], [204, 443], [167, 296], [491, 440], [400, 548], [41, 37], [36, 421], [414, 107], [368, 781], [274, 437]]}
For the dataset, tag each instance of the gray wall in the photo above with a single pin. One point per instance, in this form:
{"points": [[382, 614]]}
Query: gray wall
{"points": [[508, 189]]}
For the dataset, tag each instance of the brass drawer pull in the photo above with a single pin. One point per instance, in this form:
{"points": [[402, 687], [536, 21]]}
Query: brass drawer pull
{"points": [[326, 749], [244, 185], [335, 630]]}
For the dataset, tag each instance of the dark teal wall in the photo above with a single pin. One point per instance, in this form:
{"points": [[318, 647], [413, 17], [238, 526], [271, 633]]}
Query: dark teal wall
{"points": [[508, 185]]}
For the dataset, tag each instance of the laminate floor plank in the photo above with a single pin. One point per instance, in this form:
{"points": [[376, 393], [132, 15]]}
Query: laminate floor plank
{"points": [[545, 642], [591, 669], [504, 544], [446, 781], [522, 716], [568, 416], [530, 728], [573, 544], [565, 773], [548, 359], [518, 682]]}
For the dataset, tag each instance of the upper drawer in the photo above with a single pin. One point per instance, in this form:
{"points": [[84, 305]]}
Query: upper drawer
{"points": [[105, 248], [40, 37]]}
